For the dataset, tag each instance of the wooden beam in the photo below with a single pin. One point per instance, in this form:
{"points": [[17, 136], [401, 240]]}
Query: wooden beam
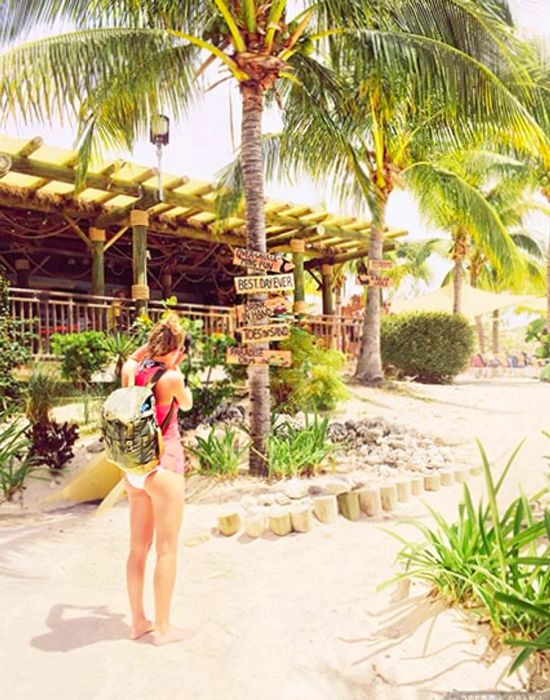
{"points": [[79, 232], [115, 238], [120, 213], [30, 147]]}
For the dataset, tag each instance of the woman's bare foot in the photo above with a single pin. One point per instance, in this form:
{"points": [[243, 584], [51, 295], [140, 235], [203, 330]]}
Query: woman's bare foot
{"points": [[172, 634], [141, 628]]}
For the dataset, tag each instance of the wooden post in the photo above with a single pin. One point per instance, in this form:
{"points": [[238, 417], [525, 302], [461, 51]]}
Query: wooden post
{"points": [[167, 282], [328, 298], [388, 493], [297, 247], [370, 501], [139, 221], [23, 270], [97, 239]]}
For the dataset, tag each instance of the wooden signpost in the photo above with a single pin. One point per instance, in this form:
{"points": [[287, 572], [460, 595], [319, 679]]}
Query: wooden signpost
{"points": [[374, 281], [259, 284], [258, 356], [268, 262], [264, 334], [254, 311], [381, 265]]}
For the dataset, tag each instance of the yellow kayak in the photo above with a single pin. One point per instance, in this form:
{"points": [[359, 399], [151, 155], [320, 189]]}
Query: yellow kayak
{"points": [[100, 480]]}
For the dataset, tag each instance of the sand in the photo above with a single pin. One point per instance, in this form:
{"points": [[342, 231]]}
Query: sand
{"points": [[294, 618]]}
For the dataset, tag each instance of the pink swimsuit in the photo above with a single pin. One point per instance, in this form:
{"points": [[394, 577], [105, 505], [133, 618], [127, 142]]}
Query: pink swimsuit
{"points": [[172, 455]]}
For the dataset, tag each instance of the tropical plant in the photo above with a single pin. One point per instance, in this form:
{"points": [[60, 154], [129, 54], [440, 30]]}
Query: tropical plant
{"points": [[430, 346], [220, 456], [313, 382], [538, 330], [41, 391], [14, 349], [83, 354], [297, 451], [16, 465], [125, 61], [52, 443], [119, 346], [491, 561]]}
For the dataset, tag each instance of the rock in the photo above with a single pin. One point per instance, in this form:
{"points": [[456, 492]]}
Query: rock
{"points": [[266, 499], [95, 447], [316, 490], [248, 501], [296, 489], [281, 499], [336, 487]]}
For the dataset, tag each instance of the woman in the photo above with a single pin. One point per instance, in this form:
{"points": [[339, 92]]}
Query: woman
{"points": [[156, 499]]}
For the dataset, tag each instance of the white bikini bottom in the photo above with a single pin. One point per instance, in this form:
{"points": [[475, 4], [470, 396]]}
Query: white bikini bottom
{"points": [[138, 480]]}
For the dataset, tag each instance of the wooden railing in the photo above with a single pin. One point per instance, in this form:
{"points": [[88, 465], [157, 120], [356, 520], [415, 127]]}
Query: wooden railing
{"points": [[43, 313]]}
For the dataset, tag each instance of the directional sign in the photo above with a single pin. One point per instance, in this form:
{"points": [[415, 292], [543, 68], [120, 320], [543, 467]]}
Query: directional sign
{"points": [[381, 265], [254, 311], [264, 334], [269, 262], [259, 284], [257, 356], [374, 281]]}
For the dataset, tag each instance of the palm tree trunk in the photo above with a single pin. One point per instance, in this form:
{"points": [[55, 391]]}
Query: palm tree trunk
{"points": [[548, 279], [369, 363], [479, 320], [458, 279], [253, 182], [496, 332]]}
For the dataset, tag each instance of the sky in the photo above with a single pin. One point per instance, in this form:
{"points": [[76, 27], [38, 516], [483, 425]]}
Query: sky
{"points": [[201, 145]]}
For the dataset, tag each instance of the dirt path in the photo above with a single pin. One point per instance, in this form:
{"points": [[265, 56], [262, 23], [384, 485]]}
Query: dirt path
{"points": [[297, 618]]}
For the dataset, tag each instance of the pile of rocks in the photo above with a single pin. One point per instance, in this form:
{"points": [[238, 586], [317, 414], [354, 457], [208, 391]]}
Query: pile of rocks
{"points": [[384, 448]]}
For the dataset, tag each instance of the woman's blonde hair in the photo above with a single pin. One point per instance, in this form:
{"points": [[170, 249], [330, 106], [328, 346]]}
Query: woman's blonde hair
{"points": [[166, 336]]}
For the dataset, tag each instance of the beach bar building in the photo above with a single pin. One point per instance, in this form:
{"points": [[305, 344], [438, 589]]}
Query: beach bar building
{"points": [[92, 257]]}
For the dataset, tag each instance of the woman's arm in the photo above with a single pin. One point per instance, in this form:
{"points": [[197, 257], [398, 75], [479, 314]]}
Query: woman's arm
{"points": [[175, 385]]}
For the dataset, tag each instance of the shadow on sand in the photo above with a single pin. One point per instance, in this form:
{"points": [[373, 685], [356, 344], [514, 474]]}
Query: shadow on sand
{"points": [[97, 624]]}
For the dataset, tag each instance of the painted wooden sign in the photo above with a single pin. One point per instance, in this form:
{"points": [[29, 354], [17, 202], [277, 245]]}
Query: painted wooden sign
{"points": [[259, 284], [254, 311], [240, 355], [381, 265], [268, 262], [374, 281], [264, 334]]}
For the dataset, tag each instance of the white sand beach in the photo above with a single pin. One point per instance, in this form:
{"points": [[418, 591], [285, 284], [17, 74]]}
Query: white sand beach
{"points": [[293, 618]]}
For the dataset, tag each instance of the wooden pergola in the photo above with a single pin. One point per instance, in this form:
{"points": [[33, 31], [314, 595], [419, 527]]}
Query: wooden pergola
{"points": [[117, 223]]}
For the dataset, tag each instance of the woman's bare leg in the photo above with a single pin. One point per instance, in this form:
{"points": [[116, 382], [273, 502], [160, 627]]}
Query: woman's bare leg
{"points": [[167, 490], [141, 538]]}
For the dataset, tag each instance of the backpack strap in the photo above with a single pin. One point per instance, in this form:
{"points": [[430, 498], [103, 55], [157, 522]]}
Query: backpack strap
{"points": [[169, 415], [173, 406]]}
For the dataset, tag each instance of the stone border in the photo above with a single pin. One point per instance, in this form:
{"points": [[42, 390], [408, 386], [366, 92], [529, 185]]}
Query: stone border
{"points": [[371, 501]]}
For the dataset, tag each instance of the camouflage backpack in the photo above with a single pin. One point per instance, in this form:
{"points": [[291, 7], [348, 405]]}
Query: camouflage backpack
{"points": [[131, 432]]}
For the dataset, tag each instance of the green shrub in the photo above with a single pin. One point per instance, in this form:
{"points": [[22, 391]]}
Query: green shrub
{"points": [[41, 390], [313, 382], [219, 455], [492, 561], [298, 451], [16, 465], [545, 374], [14, 350], [82, 354], [432, 347], [538, 330]]}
